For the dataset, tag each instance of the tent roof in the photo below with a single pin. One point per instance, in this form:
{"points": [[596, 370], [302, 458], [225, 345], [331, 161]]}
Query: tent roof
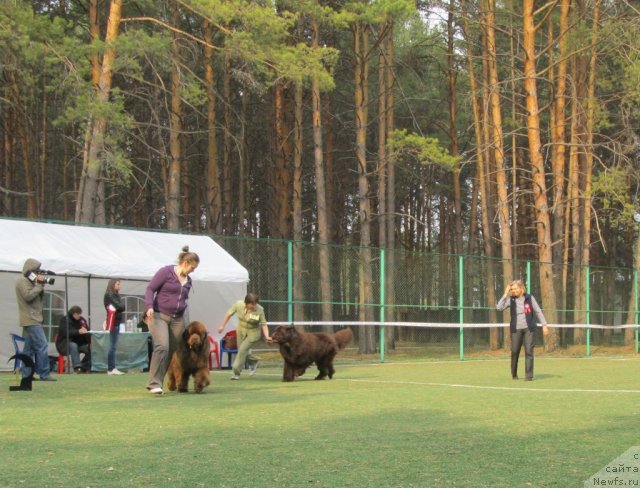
{"points": [[110, 253]]}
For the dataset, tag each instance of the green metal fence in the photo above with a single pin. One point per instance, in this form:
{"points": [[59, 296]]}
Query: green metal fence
{"points": [[596, 307]]}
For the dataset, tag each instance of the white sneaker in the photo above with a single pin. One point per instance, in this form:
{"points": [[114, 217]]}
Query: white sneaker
{"points": [[252, 369], [156, 391], [235, 377], [114, 371]]}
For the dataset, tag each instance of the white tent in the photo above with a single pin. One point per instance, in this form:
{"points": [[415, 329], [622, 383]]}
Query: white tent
{"points": [[85, 258]]}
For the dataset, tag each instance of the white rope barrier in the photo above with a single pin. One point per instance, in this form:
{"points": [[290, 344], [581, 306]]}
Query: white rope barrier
{"points": [[449, 325]]}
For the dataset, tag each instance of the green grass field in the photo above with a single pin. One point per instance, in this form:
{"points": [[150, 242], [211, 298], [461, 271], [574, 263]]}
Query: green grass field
{"points": [[413, 424]]}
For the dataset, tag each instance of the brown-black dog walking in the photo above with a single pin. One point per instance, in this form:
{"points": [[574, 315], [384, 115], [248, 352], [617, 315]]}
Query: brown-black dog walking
{"points": [[301, 349], [190, 359]]}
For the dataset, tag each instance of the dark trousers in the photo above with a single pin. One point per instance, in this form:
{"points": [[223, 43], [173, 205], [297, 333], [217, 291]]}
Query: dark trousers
{"points": [[517, 338], [75, 351], [113, 345]]}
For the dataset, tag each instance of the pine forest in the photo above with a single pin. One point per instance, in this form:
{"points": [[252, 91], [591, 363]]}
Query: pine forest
{"points": [[498, 128]]}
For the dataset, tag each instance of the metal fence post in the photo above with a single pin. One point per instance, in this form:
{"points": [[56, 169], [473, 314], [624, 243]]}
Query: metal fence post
{"points": [[290, 281], [588, 302], [382, 306], [635, 298], [461, 303]]}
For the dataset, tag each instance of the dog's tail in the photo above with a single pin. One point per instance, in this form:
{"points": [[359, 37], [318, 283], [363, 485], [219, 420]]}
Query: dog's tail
{"points": [[343, 338]]}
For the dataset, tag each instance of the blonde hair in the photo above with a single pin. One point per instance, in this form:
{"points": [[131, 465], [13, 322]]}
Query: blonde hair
{"points": [[187, 256], [520, 284]]}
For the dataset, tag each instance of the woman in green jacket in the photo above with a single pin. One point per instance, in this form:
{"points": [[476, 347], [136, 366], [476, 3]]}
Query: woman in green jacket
{"points": [[251, 321]]}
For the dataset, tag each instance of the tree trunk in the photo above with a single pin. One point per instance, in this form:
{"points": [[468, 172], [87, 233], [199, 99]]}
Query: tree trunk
{"points": [[590, 123], [487, 232], [7, 162], [583, 139], [334, 208], [570, 211], [381, 170], [86, 208], [498, 145], [558, 134], [452, 72], [25, 142], [321, 192], [66, 180], [576, 204], [280, 220], [537, 169], [94, 35], [213, 192], [243, 167], [360, 35], [227, 182], [390, 125], [515, 188], [391, 220], [45, 199], [175, 131], [296, 203]]}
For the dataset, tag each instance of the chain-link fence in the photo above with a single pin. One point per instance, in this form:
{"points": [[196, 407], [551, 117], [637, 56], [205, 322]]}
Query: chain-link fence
{"points": [[447, 301]]}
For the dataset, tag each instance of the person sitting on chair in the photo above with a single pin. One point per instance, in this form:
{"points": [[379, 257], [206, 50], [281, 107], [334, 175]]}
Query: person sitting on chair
{"points": [[74, 328]]}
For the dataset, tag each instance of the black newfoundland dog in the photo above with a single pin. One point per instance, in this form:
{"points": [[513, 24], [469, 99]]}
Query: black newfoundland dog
{"points": [[301, 349], [190, 359]]}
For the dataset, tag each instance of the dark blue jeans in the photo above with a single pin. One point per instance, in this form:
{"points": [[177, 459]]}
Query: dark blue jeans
{"points": [[75, 350], [113, 343], [37, 347]]}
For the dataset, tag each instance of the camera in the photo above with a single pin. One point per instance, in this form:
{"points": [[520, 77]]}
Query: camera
{"points": [[47, 280]]}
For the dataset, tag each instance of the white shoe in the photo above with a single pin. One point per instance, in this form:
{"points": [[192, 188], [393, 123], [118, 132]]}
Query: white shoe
{"points": [[235, 377], [114, 371], [252, 369], [156, 391]]}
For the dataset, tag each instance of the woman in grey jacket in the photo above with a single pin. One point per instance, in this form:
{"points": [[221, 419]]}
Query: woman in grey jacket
{"points": [[522, 325]]}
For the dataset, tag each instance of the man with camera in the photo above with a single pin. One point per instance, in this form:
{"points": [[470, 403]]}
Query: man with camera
{"points": [[30, 298]]}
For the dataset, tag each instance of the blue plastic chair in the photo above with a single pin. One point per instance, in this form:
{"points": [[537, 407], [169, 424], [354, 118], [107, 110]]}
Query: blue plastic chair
{"points": [[229, 352], [16, 339]]}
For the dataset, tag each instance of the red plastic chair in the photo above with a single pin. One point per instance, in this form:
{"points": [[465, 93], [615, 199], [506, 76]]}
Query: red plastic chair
{"points": [[214, 353], [62, 359]]}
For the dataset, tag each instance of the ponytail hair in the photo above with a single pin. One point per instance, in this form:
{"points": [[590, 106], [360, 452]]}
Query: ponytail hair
{"points": [[187, 256]]}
